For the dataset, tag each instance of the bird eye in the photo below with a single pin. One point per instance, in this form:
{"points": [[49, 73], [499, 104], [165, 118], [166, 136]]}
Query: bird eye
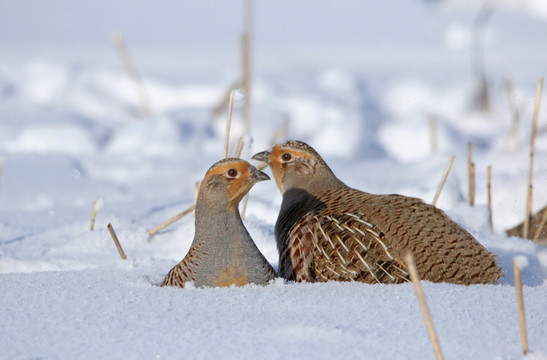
{"points": [[232, 173], [286, 157]]}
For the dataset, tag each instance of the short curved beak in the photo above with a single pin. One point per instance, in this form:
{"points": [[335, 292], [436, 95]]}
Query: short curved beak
{"points": [[259, 175], [263, 156]]}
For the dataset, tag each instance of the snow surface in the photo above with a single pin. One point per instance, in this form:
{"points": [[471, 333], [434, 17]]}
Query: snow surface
{"points": [[357, 81]]}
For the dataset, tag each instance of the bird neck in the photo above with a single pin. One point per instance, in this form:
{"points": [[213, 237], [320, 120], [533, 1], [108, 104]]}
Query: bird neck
{"points": [[215, 217], [314, 184]]}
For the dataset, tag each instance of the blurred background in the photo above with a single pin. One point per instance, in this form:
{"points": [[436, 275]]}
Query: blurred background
{"points": [[127, 100]]}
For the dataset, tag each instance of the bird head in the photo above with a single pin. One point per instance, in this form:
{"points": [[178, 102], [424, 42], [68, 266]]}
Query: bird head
{"points": [[294, 164], [229, 180]]}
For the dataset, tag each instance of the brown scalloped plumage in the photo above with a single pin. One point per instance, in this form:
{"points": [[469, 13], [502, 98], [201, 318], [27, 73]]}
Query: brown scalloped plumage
{"points": [[329, 231]]}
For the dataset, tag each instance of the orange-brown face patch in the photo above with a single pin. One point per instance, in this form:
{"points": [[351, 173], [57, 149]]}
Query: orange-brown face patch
{"points": [[237, 183], [277, 163]]}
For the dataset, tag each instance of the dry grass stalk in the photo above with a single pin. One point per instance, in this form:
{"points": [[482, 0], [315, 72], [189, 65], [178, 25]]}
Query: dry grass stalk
{"points": [[246, 82], [469, 161], [520, 304], [541, 226], [472, 185], [489, 195], [239, 147], [170, 221], [196, 192], [470, 176], [261, 166], [248, 11], [93, 215], [515, 111], [409, 259], [433, 139], [531, 167], [228, 123], [443, 180], [131, 69], [244, 206], [221, 105], [482, 95], [116, 242]]}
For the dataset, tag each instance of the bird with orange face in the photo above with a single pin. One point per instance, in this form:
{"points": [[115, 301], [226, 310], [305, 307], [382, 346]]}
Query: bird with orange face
{"points": [[222, 252], [326, 230]]}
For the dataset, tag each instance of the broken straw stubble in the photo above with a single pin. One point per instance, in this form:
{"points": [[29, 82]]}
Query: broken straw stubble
{"points": [[520, 305], [116, 242], [443, 180], [413, 272], [528, 213]]}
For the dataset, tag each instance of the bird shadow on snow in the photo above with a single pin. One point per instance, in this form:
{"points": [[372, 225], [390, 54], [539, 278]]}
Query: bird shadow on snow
{"points": [[175, 206], [532, 272], [531, 269], [148, 281], [373, 116]]}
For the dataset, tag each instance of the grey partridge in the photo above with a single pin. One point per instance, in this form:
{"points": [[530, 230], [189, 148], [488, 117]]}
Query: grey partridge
{"points": [[328, 231], [222, 252]]}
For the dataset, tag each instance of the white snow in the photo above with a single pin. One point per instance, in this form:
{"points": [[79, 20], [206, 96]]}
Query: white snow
{"points": [[358, 81]]}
